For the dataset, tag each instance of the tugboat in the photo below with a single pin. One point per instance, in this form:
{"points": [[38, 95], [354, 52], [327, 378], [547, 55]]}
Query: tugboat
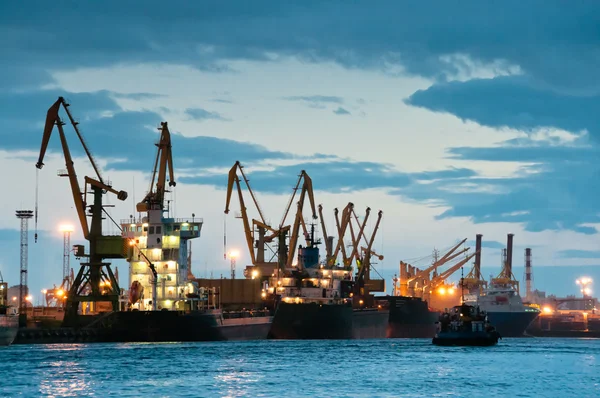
{"points": [[465, 325]]}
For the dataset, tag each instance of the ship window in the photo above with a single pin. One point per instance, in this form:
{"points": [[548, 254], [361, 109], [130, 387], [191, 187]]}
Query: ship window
{"points": [[158, 229], [151, 230], [145, 229]]}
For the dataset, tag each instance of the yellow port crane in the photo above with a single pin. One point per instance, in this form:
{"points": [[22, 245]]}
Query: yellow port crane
{"points": [[95, 274], [304, 184], [258, 257], [154, 199]]}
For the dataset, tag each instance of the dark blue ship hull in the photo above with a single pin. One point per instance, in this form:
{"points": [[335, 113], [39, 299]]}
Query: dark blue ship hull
{"points": [[481, 339], [327, 321], [410, 317], [512, 324]]}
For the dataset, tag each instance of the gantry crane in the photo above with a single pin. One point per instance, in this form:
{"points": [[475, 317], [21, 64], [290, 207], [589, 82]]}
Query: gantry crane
{"points": [[154, 199], [96, 273]]}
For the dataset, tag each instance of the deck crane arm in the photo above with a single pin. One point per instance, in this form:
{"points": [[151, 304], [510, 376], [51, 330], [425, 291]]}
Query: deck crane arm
{"points": [[446, 274], [162, 164], [341, 229], [53, 118], [362, 269], [328, 248], [307, 189], [356, 238], [445, 258], [234, 179]]}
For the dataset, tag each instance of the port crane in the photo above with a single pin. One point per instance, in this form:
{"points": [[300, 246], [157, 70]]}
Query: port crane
{"points": [[304, 184], [261, 225], [154, 199], [362, 285], [94, 273], [153, 203]]}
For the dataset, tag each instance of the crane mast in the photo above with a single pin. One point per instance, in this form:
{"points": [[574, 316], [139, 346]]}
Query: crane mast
{"points": [[154, 199], [95, 274]]}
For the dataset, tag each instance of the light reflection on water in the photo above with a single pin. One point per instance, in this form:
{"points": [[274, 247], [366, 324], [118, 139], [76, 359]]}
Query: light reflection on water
{"points": [[369, 368]]}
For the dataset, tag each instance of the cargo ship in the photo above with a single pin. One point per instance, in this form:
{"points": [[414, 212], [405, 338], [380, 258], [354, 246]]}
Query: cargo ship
{"points": [[501, 299], [411, 313], [315, 301]]}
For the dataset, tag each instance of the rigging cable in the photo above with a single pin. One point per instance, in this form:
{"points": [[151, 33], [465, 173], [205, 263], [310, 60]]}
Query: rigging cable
{"points": [[37, 183]]}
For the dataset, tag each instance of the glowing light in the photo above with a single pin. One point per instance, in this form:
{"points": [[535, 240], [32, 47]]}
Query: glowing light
{"points": [[44, 291], [234, 254], [14, 298], [360, 302], [29, 298], [451, 290], [66, 228], [254, 274], [442, 290], [60, 293], [131, 242], [587, 291], [547, 310], [263, 295]]}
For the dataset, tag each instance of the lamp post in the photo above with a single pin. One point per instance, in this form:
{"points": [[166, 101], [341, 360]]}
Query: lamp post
{"points": [[66, 230], [233, 255], [585, 283]]}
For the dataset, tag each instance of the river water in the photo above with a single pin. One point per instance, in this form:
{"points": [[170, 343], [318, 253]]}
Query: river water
{"points": [[527, 367]]}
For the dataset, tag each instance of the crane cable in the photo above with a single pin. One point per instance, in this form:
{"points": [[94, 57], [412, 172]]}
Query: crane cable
{"points": [[37, 182]]}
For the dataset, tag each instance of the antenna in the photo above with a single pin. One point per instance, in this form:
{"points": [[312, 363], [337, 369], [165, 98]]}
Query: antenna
{"points": [[224, 237]]}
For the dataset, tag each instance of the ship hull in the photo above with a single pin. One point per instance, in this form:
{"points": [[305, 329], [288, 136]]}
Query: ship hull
{"points": [[314, 321], [511, 323], [481, 339], [410, 317], [163, 326], [9, 327]]}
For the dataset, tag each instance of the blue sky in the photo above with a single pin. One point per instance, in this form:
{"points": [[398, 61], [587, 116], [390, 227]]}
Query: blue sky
{"points": [[452, 119]]}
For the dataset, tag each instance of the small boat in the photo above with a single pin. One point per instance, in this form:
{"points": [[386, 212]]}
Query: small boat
{"points": [[465, 325]]}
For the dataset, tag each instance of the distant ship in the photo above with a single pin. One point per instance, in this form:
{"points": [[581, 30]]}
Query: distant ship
{"points": [[505, 309], [501, 299], [318, 302]]}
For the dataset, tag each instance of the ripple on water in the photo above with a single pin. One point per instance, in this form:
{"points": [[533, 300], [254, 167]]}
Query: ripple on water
{"points": [[354, 368]]}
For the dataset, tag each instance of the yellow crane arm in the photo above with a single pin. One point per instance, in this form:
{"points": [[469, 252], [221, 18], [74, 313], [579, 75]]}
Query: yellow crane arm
{"points": [[234, 179], [52, 118], [328, 248], [362, 269], [341, 228], [446, 274]]}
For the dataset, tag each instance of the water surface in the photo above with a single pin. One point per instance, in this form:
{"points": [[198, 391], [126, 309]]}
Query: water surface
{"points": [[353, 368]]}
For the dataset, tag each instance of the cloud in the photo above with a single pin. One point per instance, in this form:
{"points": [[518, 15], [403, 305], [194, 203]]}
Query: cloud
{"points": [[514, 102], [138, 96], [579, 254], [316, 101], [202, 114], [341, 111], [489, 244], [355, 35]]}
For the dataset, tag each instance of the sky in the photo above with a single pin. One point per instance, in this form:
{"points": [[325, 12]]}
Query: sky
{"points": [[453, 119]]}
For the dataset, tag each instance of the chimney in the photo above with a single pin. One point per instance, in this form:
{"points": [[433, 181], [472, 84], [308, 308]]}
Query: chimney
{"points": [[528, 274], [478, 256], [509, 252]]}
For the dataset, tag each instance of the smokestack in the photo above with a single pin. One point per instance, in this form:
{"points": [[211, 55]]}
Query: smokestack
{"points": [[478, 256], [509, 252], [528, 274]]}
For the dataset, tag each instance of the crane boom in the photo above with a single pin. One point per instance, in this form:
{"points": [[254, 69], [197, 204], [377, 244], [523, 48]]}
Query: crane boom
{"points": [[307, 189], [163, 163]]}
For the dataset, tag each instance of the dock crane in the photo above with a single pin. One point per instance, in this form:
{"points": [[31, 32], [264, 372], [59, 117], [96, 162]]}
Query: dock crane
{"points": [[304, 184], [363, 262], [95, 273], [258, 257], [154, 199]]}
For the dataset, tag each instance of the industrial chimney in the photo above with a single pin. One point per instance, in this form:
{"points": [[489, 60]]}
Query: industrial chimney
{"points": [[478, 256], [509, 252], [528, 273]]}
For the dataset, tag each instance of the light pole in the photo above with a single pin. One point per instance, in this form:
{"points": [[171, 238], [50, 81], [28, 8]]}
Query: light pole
{"points": [[233, 255], [66, 230], [584, 283]]}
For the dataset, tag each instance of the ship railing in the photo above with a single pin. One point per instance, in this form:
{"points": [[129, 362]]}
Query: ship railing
{"points": [[193, 220]]}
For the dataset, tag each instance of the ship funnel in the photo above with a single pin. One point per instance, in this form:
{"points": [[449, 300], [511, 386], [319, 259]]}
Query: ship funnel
{"points": [[478, 256], [509, 252]]}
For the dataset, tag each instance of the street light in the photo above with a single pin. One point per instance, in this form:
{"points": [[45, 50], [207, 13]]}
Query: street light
{"points": [[233, 255], [585, 282]]}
